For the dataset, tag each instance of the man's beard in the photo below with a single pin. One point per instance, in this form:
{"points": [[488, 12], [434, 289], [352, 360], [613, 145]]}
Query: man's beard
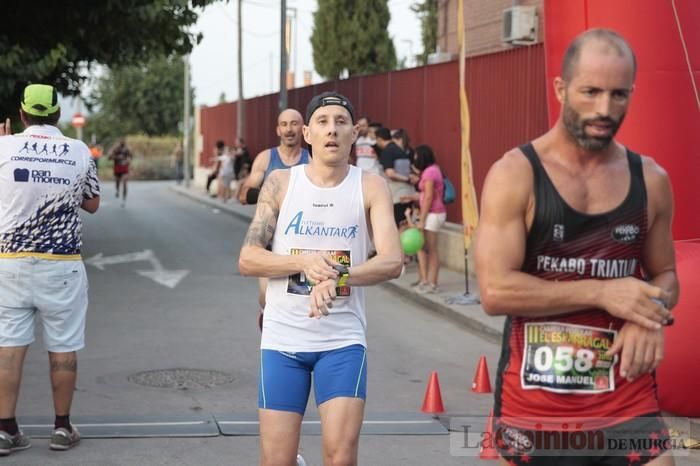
{"points": [[294, 142], [576, 126]]}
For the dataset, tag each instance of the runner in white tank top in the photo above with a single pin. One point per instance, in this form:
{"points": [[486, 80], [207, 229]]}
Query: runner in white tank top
{"points": [[319, 218], [315, 220]]}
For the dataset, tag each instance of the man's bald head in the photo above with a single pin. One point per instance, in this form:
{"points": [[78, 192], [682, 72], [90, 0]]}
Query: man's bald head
{"points": [[289, 123], [603, 41], [288, 115]]}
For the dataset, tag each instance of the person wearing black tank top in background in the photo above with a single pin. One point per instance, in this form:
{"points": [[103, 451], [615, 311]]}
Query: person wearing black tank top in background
{"points": [[574, 246]]}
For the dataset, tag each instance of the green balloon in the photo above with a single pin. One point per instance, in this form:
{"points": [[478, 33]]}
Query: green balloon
{"points": [[411, 241]]}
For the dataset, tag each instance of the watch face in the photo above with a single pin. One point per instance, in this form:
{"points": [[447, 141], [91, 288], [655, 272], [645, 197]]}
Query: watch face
{"points": [[341, 269]]}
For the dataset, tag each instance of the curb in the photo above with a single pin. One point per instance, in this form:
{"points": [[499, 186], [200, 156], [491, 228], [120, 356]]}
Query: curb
{"points": [[446, 311], [211, 202]]}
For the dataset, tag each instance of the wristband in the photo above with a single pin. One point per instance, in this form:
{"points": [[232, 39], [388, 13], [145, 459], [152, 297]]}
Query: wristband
{"points": [[251, 196]]}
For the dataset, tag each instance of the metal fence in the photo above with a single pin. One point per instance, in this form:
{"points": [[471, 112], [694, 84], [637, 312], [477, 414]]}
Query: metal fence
{"points": [[507, 102]]}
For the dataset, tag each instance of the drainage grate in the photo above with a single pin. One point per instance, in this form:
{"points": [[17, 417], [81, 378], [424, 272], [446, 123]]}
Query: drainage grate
{"points": [[182, 379]]}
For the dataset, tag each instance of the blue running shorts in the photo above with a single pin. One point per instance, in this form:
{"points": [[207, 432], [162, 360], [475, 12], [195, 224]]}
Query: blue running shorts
{"points": [[285, 378]]}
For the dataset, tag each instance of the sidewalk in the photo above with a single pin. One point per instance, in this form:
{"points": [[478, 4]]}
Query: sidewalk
{"points": [[452, 285]]}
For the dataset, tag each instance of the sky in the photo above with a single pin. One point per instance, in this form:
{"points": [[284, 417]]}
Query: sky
{"points": [[214, 63]]}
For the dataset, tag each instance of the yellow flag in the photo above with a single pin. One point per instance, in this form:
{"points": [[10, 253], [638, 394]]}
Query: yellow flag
{"points": [[470, 213]]}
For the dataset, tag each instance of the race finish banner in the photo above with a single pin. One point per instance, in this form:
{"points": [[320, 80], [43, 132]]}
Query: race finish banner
{"points": [[567, 358]]}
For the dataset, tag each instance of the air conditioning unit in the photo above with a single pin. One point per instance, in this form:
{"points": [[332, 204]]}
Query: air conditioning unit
{"points": [[520, 25]]}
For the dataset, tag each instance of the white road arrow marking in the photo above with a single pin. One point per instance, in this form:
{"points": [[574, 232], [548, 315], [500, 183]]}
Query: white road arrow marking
{"points": [[159, 274], [100, 261]]}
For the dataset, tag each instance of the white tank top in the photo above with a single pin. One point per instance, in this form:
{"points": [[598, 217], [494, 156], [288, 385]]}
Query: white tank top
{"points": [[314, 220]]}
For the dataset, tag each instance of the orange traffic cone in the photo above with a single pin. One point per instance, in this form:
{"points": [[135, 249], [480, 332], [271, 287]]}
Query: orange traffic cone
{"points": [[481, 382], [432, 403], [488, 448]]}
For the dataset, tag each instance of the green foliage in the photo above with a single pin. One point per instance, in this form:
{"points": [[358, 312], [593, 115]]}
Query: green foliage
{"points": [[352, 36], [427, 12], [138, 99], [58, 43]]}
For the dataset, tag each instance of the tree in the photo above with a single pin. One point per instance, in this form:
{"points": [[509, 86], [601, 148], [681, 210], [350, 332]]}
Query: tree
{"points": [[59, 42], [427, 12], [138, 99], [352, 36]]}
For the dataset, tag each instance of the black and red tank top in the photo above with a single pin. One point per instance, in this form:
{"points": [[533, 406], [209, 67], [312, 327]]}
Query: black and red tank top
{"points": [[555, 366]]}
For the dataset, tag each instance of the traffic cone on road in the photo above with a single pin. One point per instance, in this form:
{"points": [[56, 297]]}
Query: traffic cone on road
{"points": [[481, 382], [488, 451], [432, 403]]}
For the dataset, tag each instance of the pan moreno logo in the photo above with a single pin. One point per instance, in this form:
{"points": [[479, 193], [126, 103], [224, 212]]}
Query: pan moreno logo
{"points": [[300, 227], [24, 175], [21, 175]]}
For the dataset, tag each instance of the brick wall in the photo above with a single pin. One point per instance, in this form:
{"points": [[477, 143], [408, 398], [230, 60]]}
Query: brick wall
{"points": [[483, 20]]}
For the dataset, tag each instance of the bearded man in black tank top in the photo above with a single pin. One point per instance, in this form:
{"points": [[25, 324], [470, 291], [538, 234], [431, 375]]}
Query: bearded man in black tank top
{"points": [[574, 245]]}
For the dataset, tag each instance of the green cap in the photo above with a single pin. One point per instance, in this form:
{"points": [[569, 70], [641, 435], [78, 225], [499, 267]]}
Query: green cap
{"points": [[40, 100]]}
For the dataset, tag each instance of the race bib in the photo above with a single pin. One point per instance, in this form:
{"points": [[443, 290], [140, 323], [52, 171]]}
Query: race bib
{"points": [[298, 284], [567, 358]]}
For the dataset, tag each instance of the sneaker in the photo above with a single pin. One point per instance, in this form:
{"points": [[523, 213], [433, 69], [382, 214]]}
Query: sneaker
{"points": [[61, 439], [300, 461], [428, 288], [10, 443]]}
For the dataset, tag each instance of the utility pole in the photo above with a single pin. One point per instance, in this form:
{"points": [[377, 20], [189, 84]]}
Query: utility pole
{"points": [[78, 108], [186, 123], [283, 55], [292, 37], [240, 105]]}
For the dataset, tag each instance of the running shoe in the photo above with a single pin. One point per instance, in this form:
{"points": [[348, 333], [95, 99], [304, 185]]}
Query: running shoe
{"points": [[10, 443], [62, 439]]}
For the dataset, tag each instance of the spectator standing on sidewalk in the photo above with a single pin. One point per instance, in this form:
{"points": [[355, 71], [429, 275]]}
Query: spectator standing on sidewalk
{"points": [[179, 162], [226, 174], [397, 169], [365, 155], [431, 217], [42, 276], [218, 151]]}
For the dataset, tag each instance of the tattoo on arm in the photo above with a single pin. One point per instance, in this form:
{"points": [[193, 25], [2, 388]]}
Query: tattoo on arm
{"points": [[263, 225], [70, 365]]}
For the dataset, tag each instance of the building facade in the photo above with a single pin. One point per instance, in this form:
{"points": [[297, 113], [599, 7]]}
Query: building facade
{"points": [[484, 24]]}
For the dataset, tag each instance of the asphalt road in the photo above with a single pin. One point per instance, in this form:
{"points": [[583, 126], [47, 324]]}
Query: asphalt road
{"points": [[165, 294], [207, 322]]}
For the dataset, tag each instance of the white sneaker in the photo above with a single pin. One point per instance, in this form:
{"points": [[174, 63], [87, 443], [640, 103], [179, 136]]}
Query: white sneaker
{"points": [[300, 461], [428, 288]]}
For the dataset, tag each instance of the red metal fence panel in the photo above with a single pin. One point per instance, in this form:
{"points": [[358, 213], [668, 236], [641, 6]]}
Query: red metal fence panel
{"points": [[507, 102]]}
